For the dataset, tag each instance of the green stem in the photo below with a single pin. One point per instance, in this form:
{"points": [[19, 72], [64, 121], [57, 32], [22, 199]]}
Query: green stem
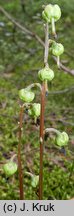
{"points": [[53, 28], [58, 61], [50, 130], [33, 85]]}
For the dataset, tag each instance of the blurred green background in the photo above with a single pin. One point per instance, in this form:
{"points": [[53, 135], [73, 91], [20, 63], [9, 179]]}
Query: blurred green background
{"points": [[21, 56]]}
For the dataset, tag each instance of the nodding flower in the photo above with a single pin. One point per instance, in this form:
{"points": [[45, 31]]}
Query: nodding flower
{"points": [[26, 95], [46, 74], [10, 168], [52, 14]]}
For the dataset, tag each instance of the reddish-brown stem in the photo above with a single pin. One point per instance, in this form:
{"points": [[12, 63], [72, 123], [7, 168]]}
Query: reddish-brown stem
{"points": [[19, 155], [43, 91], [41, 142]]}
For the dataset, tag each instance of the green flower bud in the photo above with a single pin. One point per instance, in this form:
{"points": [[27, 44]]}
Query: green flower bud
{"points": [[50, 12], [45, 17], [35, 110], [35, 181], [62, 139], [47, 14], [57, 49], [46, 74], [10, 168], [26, 95], [56, 12]]}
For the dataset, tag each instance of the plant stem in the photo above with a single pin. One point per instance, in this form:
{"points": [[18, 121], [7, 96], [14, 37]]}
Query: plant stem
{"points": [[34, 85], [58, 61], [46, 45], [41, 142], [53, 28], [42, 116], [50, 130], [19, 155]]}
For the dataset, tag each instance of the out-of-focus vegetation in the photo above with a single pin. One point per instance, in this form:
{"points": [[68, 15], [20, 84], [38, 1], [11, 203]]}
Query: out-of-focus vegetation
{"points": [[20, 58]]}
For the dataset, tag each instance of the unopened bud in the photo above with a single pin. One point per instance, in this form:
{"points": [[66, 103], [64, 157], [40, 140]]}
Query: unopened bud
{"points": [[10, 168]]}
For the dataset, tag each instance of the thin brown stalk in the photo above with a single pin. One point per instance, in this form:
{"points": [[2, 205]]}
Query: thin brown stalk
{"points": [[19, 155], [42, 117], [41, 142]]}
